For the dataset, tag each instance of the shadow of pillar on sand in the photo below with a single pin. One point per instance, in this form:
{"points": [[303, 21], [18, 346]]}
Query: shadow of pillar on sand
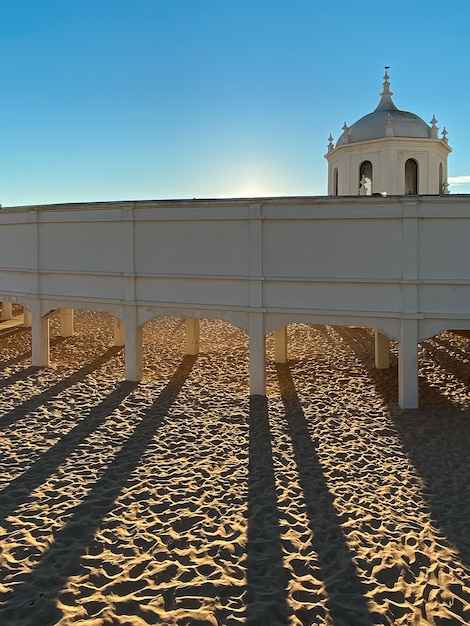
{"points": [[39, 399], [346, 600], [360, 342], [18, 490], [437, 443], [18, 358], [267, 579], [22, 374], [63, 557], [435, 437]]}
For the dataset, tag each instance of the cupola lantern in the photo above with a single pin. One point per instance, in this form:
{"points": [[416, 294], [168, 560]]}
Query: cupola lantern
{"points": [[388, 152]]}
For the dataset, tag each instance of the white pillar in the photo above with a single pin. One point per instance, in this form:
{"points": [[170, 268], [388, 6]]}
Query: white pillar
{"points": [[382, 351], [27, 318], [408, 365], [66, 322], [7, 311], [192, 335], [280, 345], [119, 333], [133, 334], [257, 355], [40, 341]]}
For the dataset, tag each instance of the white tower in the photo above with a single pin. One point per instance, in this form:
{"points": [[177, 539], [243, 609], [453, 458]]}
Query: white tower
{"points": [[388, 151]]}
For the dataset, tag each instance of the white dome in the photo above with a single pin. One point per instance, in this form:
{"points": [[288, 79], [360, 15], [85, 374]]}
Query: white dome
{"points": [[385, 121]]}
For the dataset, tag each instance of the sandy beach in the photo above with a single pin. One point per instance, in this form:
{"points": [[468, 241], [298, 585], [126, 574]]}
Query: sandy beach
{"points": [[180, 501]]}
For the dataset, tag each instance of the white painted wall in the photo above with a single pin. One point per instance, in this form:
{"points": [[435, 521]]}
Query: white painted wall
{"points": [[340, 256], [261, 264], [388, 157]]}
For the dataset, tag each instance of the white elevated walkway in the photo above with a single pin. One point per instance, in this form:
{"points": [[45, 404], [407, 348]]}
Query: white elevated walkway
{"points": [[400, 265]]}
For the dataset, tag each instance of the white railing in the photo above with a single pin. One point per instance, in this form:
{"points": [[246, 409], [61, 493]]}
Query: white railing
{"points": [[400, 265]]}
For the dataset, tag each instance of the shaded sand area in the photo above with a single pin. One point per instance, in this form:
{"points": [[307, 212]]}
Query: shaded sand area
{"points": [[178, 501]]}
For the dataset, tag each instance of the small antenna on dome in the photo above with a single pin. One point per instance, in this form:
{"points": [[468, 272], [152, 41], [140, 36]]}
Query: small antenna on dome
{"points": [[387, 67]]}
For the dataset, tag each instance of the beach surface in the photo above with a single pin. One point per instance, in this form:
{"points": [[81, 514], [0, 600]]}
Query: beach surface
{"points": [[182, 501]]}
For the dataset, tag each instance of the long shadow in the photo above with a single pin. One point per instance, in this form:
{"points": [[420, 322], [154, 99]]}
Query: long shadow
{"points": [[437, 443], [436, 439], [19, 357], [362, 343], [24, 355], [385, 381], [448, 356], [6, 332], [446, 345], [267, 579], [346, 600], [19, 375], [38, 400], [360, 340], [63, 557], [19, 489]]}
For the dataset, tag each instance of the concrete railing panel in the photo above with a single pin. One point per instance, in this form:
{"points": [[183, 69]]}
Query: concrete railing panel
{"points": [[335, 248], [217, 247]]}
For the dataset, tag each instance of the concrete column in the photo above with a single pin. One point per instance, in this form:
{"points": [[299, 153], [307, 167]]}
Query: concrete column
{"points": [[40, 341], [408, 365], [257, 354], [27, 318], [192, 335], [119, 333], [382, 351], [133, 334], [66, 322], [7, 311], [280, 345]]}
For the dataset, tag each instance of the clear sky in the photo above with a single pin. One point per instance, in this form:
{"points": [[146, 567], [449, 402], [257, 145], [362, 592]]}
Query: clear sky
{"points": [[155, 99]]}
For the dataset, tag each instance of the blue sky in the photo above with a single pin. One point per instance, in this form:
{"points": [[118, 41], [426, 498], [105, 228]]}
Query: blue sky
{"points": [[153, 99]]}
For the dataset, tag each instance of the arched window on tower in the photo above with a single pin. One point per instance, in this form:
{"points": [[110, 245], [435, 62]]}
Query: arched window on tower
{"points": [[365, 178], [411, 177], [335, 182], [441, 179]]}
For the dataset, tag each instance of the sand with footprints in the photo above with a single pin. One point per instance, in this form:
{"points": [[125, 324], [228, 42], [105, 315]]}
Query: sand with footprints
{"points": [[181, 501]]}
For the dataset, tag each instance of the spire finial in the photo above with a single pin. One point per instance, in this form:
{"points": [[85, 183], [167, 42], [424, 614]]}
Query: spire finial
{"points": [[386, 102], [386, 83]]}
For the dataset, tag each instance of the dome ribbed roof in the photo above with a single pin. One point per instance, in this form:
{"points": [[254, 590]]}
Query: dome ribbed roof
{"points": [[385, 121]]}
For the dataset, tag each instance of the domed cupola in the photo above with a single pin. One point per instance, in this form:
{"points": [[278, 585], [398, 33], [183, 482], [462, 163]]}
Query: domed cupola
{"points": [[388, 151]]}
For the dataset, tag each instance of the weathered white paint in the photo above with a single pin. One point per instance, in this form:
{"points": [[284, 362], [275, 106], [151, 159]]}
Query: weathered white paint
{"points": [[192, 335], [66, 322], [382, 351], [261, 265], [133, 337], [27, 318], [408, 364], [119, 333], [280, 345], [7, 311], [40, 341], [257, 349]]}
